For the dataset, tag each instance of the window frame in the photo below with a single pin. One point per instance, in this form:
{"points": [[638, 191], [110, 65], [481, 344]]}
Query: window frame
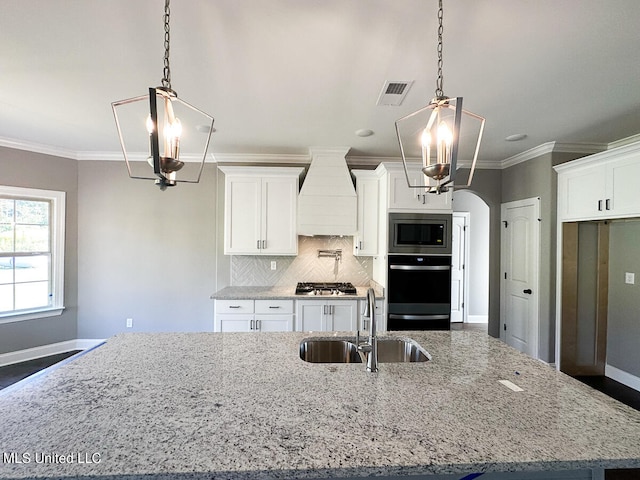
{"points": [[57, 231]]}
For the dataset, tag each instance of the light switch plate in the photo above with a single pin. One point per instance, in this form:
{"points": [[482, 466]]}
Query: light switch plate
{"points": [[630, 278], [273, 265]]}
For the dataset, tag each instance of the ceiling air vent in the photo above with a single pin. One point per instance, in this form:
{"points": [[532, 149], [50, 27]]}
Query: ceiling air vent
{"points": [[393, 92]]}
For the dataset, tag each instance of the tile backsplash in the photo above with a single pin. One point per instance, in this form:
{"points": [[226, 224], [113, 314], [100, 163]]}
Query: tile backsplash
{"points": [[306, 267]]}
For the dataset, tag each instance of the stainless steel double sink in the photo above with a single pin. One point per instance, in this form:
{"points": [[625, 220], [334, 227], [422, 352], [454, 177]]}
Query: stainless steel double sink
{"points": [[341, 350]]}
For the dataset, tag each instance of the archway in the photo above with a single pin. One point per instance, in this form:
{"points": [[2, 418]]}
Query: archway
{"points": [[477, 261]]}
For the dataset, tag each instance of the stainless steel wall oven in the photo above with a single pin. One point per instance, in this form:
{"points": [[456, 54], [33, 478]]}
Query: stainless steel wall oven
{"points": [[419, 292]]}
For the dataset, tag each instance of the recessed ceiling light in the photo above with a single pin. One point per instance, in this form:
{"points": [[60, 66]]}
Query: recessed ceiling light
{"points": [[515, 137], [364, 132]]}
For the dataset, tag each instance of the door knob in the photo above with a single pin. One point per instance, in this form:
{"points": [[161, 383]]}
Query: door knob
{"points": [[528, 291]]}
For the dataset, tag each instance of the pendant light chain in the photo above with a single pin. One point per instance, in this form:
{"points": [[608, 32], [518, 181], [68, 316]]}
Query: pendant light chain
{"points": [[166, 79], [439, 90]]}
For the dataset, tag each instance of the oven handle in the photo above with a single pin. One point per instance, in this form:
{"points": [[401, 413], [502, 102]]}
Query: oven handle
{"points": [[420, 267], [417, 317]]}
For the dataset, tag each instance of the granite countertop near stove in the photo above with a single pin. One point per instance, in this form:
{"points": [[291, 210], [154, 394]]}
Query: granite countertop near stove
{"points": [[284, 293], [245, 406]]}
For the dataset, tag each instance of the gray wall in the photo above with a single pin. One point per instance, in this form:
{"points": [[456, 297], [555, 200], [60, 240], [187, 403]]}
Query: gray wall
{"points": [[487, 184], [623, 327], [536, 178], [20, 168], [144, 254]]}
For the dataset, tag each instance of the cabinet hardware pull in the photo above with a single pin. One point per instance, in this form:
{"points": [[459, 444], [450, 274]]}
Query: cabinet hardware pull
{"points": [[599, 205], [274, 306], [234, 306], [251, 325], [264, 244], [528, 291], [360, 244], [257, 324], [258, 244], [607, 204]]}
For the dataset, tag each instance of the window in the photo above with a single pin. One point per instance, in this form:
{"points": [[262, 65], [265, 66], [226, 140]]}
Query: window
{"points": [[31, 253]]}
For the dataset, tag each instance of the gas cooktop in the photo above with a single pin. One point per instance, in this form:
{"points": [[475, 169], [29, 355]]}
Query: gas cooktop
{"points": [[325, 288]]}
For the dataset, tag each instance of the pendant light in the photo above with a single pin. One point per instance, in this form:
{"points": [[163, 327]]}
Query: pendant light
{"points": [[433, 135], [169, 136]]}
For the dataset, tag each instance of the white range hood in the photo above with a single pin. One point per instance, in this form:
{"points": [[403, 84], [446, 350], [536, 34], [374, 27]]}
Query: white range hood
{"points": [[327, 203]]}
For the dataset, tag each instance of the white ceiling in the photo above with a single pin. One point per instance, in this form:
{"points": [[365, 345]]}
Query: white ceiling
{"points": [[280, 76]]}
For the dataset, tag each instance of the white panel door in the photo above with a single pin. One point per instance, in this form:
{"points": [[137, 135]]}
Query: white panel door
{"points": [[520, 263], [458, 267]]}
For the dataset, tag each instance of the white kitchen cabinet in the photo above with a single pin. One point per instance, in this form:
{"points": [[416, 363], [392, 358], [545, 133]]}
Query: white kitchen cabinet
{"points": [[603, 185], [233, 323], [402, 198], [381, 324], [326, 315], [365, 242], [260, 211], [253, 316]]}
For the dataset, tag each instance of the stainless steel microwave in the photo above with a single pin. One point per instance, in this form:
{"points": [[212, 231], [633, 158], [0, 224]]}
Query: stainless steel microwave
{"points": [[420, 233]]}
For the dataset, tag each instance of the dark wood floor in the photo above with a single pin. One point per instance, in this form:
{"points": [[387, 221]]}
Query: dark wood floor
{"points": [[10, 374], [617, 390]]}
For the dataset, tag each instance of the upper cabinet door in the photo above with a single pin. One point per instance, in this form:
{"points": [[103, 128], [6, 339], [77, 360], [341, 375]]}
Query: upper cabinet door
{"points": [[260, 210], [402, 197], [603, 185], [365, 242], [582, 193], [279, 200], [243, 217], [622, 185]]}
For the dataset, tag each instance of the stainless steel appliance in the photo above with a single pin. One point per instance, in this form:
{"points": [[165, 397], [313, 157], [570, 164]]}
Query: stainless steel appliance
{"points": [[419, 292], [325, 288], [420, 233]]}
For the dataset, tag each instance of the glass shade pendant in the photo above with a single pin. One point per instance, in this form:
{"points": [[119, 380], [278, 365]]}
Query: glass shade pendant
{"points": [[163, 138], [435, 135]]}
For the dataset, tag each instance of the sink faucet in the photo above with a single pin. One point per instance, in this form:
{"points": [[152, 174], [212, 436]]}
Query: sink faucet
{"points": [[372, 346]]}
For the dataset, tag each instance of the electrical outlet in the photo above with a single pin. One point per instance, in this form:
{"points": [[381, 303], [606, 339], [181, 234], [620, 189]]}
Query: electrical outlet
{"points": [[629, 278], [129, 322], [273, 265]]}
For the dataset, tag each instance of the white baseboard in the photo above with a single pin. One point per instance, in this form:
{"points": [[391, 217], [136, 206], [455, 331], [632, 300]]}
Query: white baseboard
{"points": [[623, 377], [46, 350], [477, 318]]}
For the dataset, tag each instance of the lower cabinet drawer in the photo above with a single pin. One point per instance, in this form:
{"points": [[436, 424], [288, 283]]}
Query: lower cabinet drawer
{"points": [[274, 306], [234, 306]]}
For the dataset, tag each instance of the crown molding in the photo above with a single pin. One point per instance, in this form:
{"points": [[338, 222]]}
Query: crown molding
{"points": [[553, 147], [624, 141], [260, 158], [38, 148], [305, 159]]}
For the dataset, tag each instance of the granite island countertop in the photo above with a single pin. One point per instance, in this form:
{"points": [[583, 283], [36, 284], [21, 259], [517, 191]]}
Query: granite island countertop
{"points": [[245, 406]]}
